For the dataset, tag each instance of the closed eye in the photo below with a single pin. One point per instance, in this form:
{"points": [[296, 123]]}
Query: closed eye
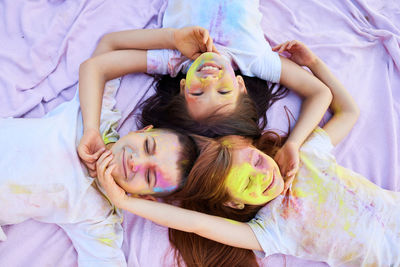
{"points": [[247, 184], [197, 94], [151, 177], [148, 177], [224, 92], [146, 146]]}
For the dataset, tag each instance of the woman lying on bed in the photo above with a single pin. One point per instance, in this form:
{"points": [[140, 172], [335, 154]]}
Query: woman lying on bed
{"points": [[207, 95], [42, 177], [330, 214]]}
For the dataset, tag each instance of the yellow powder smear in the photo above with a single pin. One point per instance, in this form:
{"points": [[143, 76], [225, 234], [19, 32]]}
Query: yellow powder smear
{"points": [[232, 221], [106, 241], [19, 189]]}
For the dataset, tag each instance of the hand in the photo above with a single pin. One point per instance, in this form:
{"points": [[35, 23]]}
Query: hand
{"points": [[114, 192], [193, 41], [287, 158], [90, 148], [298, 51]]}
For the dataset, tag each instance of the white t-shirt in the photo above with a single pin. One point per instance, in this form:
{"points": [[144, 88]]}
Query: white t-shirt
{"points": [[332, 214], [235, 28], [42, 178]]}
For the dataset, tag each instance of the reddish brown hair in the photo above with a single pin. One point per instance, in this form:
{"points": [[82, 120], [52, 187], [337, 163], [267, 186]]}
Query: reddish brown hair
{"points": [[205, 192]]}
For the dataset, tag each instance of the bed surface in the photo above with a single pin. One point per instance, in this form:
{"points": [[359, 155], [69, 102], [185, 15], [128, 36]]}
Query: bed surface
{"points": [[42, 44]]}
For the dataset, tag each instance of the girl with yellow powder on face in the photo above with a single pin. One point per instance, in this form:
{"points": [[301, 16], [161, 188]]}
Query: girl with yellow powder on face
{"points": [[330, 213]]}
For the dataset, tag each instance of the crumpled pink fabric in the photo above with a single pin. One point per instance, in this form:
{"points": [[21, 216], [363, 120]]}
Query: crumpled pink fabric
{"points": [[42, 44]]}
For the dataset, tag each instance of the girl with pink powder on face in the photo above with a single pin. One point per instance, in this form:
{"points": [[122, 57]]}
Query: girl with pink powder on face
{"points": [[330, 214], [209, 96]]}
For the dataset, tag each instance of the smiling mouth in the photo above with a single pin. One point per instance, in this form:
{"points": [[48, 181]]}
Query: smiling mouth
{"points": [[209, 68], [271, 184]]}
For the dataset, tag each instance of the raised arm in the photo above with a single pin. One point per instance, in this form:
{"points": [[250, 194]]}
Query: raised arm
{"points": [[118, 54], [219, 229], [344, 107], [316, 99], [228, 232]]}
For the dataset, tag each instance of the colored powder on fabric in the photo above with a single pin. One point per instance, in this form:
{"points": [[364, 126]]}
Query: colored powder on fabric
{"points": [[19, 189]]}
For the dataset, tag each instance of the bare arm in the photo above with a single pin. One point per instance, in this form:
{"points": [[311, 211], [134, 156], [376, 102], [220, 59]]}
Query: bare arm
{"points": [[345, 109], [136, 39], [316, 99], [219, 229], [93, 74], [120, 53], [229, 232]]}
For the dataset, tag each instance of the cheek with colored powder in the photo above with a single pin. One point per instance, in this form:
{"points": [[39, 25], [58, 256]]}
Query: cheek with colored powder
{"points": [[163, 184], [253, 194]]}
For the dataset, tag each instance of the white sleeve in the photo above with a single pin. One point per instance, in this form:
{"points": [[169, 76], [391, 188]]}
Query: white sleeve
{"points": [[166, 61], [267, 234], [97, 243], [318, 143], [110, 116], [267, 66]]}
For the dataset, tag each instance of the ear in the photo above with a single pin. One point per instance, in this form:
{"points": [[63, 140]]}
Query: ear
{"points": [[234, 204], [148, 197], [242, 86], [182, 85], [147, 128]]}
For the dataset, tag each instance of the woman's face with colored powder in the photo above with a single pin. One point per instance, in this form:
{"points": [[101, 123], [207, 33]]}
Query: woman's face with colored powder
{"points": [[254, 178], [211, 85], [146, 162]]}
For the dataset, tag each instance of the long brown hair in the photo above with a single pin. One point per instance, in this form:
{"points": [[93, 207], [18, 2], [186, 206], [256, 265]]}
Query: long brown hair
{"points": [[205, 192]]}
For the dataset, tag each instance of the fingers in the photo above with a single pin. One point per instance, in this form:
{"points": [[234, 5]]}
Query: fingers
{"points": [[286, 46], [207, 41], [292, 172], [107, 174], [214, 49], [86, 155], [103, 162], [204, 37]]}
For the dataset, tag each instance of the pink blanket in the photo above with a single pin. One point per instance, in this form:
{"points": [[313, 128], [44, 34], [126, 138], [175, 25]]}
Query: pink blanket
{"points": [[43, 42]]}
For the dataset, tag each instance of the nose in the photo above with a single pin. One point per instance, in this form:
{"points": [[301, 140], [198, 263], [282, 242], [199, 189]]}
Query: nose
{"points": [[134, 162], [208, 79]]}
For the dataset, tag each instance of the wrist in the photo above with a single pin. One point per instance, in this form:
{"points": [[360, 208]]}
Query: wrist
{"points": [[292, 143], [123, 203], [314, 63], [171, 37], [91, 128]]}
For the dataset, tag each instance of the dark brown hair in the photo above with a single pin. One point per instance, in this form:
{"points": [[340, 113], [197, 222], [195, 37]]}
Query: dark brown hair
{"points": [[167, 109], [205, 192]]}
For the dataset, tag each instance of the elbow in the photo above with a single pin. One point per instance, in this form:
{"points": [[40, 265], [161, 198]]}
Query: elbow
{"points": [[90, 68], [86, 66], [104, 45], [326, 96], [106, 40], [355, 111]]}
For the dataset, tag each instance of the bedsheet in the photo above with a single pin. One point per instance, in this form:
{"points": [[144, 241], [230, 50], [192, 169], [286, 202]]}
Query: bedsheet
{"points": [[43, 42]]}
